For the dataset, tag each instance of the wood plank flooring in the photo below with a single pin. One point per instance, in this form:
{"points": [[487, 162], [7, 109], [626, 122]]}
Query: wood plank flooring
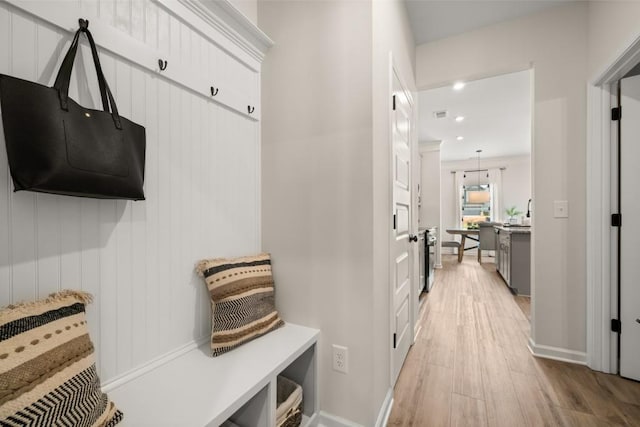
{"points": [[470, 365]]}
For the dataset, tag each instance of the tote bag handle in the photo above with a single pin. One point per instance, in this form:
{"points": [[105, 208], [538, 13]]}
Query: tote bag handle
{"points": [[64, 75]]}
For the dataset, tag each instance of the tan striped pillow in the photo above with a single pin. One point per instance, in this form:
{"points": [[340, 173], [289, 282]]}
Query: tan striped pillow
{"points": [[47, 366], [242, 300]]}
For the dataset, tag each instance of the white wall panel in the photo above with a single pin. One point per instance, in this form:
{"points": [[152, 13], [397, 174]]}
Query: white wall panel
{"points": [[22, 225], [201, 185], [5, 186]]}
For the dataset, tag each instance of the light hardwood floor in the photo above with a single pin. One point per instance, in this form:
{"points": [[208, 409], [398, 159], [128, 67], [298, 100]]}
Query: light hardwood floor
{"points": [[470, 365]]}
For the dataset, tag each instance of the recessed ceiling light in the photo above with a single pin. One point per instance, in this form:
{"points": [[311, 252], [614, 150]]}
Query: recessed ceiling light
{"points": [[460, 138], [459, 118], [458, 86]]}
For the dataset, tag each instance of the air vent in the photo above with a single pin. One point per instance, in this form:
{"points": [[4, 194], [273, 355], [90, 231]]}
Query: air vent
{"points": [[440, 114]]}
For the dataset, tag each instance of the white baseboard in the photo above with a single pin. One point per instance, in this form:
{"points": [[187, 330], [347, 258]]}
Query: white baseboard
{"points": [[385, 410], [557, 353], [327, 420]]}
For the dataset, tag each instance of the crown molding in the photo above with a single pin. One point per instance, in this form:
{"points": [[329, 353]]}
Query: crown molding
{"points": [[231, 23], [428, 146]]}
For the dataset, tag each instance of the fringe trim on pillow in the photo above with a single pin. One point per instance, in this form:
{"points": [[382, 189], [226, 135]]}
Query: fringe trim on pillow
{"points": [[201, 265], [83, 297]]}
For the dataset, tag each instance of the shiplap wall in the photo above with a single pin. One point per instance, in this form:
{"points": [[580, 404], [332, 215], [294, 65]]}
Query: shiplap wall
{"points": [[202, 189]]}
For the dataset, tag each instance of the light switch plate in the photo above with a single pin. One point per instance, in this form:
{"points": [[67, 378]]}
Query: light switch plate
{"points": [[561, 209]]}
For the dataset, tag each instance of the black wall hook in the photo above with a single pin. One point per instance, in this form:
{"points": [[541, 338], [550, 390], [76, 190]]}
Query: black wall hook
{"points": [[214, 91], [84, 24], [162, 64], [251, 109]]}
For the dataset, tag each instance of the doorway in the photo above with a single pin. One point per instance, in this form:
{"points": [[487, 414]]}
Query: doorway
{"points": [[480, 135], [628, 201], [602, 203], [403, 248]]}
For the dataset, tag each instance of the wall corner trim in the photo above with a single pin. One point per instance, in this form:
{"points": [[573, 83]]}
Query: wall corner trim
{"points": [[557, 353], [228, 20], [385, 409]]}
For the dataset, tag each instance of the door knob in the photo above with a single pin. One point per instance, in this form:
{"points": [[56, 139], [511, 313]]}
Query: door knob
{"points": [[413, 238]]}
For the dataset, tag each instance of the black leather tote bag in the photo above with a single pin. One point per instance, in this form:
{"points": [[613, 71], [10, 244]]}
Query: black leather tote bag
{"points": [[55, 145]]}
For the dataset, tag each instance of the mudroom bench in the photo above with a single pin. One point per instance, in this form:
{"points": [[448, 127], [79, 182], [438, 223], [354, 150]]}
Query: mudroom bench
{"points": [[195, 389]]}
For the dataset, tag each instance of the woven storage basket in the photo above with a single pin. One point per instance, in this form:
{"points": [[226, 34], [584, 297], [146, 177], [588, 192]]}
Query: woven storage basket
{"points": [[289, 403]]}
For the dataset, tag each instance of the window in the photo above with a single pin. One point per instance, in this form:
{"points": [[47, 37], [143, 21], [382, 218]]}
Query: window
{"points": [[476, 204]]}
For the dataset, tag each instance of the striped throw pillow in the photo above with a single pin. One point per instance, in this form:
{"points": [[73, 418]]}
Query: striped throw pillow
{"points": [[242, 300], [47, 366]]}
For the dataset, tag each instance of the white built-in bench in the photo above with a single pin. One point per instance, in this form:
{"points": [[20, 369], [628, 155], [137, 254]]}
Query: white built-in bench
{"points": [[195, 389]]}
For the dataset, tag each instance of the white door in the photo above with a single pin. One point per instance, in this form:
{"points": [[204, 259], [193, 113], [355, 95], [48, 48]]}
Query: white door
{"points": [[630, 233], [401, 251]]}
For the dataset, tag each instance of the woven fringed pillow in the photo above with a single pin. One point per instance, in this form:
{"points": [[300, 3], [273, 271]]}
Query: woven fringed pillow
{"points": [[47, 366], [242, 300]]}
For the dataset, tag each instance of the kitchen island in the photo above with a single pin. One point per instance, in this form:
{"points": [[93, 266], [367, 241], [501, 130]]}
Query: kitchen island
{"points": [[513, 257]]}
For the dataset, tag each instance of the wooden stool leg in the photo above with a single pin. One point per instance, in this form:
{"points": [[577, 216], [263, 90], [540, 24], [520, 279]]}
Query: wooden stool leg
{"points": [[461, 248], [479, 254]]}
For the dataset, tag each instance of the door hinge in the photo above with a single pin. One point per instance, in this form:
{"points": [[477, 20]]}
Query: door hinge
{"points": [[394, 103], [616, 220], [616, 325], [394, 221], [394, 340], [616, 113]]}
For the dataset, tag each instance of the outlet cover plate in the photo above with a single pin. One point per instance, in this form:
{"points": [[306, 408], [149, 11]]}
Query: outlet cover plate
{"points": [[340, 359]]}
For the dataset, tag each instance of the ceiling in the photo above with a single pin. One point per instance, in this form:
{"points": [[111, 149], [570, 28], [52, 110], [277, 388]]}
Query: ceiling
{"points": [[434, 19], [497, 117]]}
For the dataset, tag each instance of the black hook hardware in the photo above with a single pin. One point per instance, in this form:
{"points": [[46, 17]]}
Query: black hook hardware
{"points": [[214, 91], [84, 24], [162, 64], [251, 109]]}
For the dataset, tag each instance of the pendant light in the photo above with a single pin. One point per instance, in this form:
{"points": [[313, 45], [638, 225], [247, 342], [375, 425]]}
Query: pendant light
{"points": [[478, 196]]}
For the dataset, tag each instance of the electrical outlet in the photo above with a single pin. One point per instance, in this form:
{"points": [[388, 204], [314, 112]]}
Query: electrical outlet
{"points": [[340, 359]]}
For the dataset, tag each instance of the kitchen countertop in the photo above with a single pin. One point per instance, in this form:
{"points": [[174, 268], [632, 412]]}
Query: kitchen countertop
{"points": [[514, 229]]}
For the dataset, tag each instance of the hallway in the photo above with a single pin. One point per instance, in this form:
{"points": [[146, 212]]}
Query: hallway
{"points": [[470, 365]]}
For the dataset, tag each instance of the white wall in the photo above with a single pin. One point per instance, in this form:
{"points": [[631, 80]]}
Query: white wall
{"points": [[317, 186], [553, 42], [249, 8], [391, 35], [430, 187], [613, 26], [136, 258], [325, 177], [516, 185]]}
